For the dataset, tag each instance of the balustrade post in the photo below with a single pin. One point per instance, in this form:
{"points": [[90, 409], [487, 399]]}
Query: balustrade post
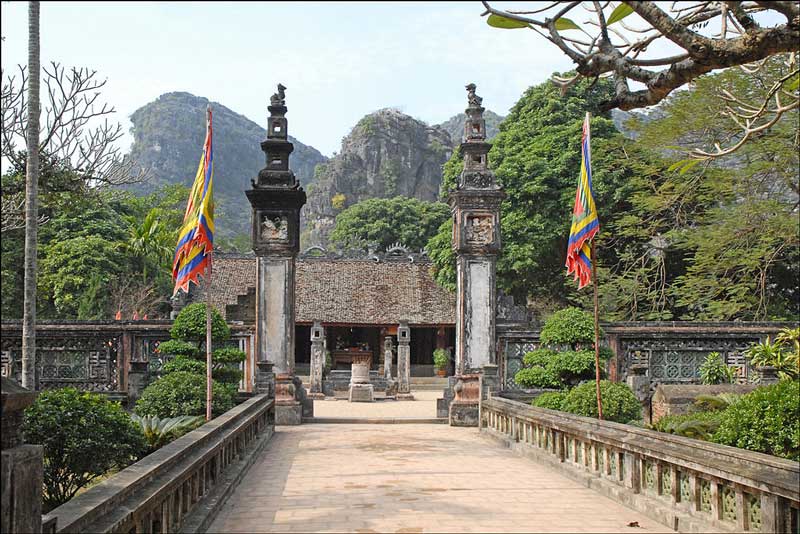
{"points": [[633, 475], [742, 521], [694, 492], [606, 461], [558, 440], [659, 478], [716, 505], [675, 488], [595, 460], [771, 513]]}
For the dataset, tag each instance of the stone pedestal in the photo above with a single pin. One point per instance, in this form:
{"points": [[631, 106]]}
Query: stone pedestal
{"points": [[265, 379], [360, 388], [464, 410], [137, 381], [288, 411], [317, 361], [22, 465], [404, 362], [639, 383]]}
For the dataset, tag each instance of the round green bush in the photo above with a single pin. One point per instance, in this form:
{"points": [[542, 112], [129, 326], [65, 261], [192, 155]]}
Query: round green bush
{"points": [[765, 420], [190, 324], [552, 400], [698, 425], [569, 326], [181, 363], [83, 436], [183, 393], [538, 377], [619, 402]]}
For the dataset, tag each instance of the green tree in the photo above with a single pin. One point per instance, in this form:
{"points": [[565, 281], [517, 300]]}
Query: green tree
{"points": [[385, 221], [83, 435], [536, 157]]}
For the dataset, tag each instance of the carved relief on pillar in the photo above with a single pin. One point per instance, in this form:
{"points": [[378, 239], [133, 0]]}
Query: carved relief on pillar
{"points": [[274, 227], [468, 389], [479, 229]]}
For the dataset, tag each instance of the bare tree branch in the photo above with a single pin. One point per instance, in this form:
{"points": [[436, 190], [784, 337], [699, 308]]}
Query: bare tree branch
{"points": [[75, 129]]}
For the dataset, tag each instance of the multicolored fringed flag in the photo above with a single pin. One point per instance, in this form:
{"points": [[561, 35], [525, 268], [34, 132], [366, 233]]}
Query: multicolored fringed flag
{"points": [[584, 217], [196, 238]]}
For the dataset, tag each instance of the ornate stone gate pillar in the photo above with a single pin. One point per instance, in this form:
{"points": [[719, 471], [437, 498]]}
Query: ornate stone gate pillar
{"points": [[475, 205], [276, 199], [404, 362]]}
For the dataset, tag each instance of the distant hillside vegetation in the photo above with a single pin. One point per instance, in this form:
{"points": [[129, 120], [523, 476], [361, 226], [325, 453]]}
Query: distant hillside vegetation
{"points": [[455, 125]]}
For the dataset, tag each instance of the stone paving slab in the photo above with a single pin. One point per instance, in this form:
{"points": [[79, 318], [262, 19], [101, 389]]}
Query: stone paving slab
{"points": [[423, 405], [411, 478]]}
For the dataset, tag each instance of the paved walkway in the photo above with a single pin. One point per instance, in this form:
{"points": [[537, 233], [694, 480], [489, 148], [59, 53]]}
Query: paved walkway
{"points": [[423, 405], [411, 478]]}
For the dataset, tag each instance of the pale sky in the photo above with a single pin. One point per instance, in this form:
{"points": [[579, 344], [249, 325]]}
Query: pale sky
{"points": [[339, 60]]}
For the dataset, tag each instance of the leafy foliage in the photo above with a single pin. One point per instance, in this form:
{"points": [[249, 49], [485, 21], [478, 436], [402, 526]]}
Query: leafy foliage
{"points": [[619, 402], [440, 358], [190, 325], [385, 221], [570, 326], [84, 435], [183, 393], [777, 354], [765, 420], [713, 370], [551, 400], [158, 432], [697, 425]]}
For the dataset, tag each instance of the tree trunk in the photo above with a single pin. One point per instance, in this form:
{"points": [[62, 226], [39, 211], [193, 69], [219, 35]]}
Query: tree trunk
{"points": [[31, 203]]}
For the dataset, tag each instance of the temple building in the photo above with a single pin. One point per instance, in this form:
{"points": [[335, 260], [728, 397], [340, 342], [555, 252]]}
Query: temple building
{"points": [[359, 299]]}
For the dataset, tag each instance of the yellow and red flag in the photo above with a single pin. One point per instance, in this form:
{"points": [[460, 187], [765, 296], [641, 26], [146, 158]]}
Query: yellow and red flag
{"points": [[196, 237], [584, 217]]}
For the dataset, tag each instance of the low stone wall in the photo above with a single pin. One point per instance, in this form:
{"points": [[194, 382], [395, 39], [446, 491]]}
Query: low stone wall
{"points": [[687, 484], [180, 486], [674, 399]]}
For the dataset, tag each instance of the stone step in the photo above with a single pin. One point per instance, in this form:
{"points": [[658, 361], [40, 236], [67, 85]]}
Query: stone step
{"points": [[377, 420]]}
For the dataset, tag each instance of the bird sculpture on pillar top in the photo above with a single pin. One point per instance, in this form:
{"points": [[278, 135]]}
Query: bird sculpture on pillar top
{"points": [[473, 99], [279, 98]]}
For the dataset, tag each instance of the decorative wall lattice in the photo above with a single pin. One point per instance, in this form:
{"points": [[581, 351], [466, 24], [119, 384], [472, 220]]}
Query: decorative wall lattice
{"points": [[86, 362]]}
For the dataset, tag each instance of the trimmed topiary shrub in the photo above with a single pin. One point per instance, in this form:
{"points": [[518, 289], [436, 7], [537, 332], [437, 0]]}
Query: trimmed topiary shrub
{"points": [[182, 363], [765, 420], [552, 400], [183, 393], [538, 377], [619, 402], [84, 435], [190, 324], [570, 326], [546, 368]]}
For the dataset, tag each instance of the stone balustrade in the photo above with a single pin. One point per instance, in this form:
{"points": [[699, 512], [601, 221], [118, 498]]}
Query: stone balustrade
{"points": [[687, 484], [181, 486]]}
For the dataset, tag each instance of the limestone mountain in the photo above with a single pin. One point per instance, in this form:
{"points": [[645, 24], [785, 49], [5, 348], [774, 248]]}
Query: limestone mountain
{"points": [[168, 137], [455, 125], [386, 154]]}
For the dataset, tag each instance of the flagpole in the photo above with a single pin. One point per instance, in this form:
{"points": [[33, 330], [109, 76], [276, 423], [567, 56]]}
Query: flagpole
{"points": [[596, 314], [208, 319], [208, 339], [596, 334]]}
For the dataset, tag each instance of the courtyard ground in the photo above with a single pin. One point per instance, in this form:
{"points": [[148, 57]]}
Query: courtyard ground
{"points": [[423, 405], [411, 478]]}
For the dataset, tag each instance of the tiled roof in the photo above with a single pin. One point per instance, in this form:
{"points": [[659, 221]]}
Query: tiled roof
{"points": [[346, 291]]}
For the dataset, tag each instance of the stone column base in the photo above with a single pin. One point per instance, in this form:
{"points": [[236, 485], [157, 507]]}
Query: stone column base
{"points": [[463, 413], [289, 414], [315, 396], [404, 396], [361, 393]]}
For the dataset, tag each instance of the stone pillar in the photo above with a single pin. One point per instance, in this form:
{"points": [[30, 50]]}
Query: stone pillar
{"points": [[404, 362], [475, 206], [360, 388], [276, 199], [22, 465], [317, 360], [388, 353]]}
